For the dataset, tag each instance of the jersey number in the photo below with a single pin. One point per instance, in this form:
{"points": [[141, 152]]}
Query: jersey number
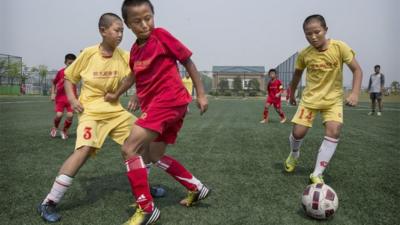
{"points": [[308, 117], [87, 133]]}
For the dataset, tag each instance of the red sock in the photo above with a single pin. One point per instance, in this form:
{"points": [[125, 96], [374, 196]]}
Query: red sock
{"points": [[265, 113], [137, 176], [67, 123], [281, 114], [179, 173], [57, 121]]}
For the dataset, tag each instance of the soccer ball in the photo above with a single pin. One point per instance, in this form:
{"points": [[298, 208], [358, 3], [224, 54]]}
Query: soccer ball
{"points": [[319, 201]]}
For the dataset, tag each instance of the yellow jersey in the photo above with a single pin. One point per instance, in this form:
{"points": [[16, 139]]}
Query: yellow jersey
{"points": [[188, 83], [99, 75], [324, 78]]}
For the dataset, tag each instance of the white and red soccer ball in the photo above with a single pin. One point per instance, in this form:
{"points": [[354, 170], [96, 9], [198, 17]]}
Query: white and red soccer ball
{"points": [[319, 201]]}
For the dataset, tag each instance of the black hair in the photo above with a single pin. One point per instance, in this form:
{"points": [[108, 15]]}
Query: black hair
{"points": [[377, 67], [107, 19], [70, 56], [128, 3], [318, 17], [272, 70]]}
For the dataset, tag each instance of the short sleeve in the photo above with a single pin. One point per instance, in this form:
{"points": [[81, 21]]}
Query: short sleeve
{"points": [[73, 72], [172, 45], [57, 78], [346, 52], [300, 64]]}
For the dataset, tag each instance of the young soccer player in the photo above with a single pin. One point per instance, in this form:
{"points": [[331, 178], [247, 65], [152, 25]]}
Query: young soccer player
{"points": [[61, 102], [376, 86], [101, 68], [275, 89], [163, 101], [323, 93], [188, 83]]}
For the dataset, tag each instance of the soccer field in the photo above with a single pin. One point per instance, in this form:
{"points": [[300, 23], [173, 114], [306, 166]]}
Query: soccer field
{"points": [[227, 149]]}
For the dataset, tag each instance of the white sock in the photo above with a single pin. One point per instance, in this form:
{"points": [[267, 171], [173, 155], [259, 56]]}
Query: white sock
{"points": [[60, 186], [325, 154], [295, 146]]}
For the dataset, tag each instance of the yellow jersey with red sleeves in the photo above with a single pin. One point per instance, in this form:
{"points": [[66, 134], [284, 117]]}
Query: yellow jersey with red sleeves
{"points": [[99, 75], [324, 78]]}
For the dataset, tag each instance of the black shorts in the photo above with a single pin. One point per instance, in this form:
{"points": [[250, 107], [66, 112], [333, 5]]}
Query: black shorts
{"points": [[375, 96]]}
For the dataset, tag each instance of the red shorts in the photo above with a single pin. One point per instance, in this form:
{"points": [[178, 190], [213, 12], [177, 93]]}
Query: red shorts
{"points": [[276, 102], [62, 104], [165, 121]]}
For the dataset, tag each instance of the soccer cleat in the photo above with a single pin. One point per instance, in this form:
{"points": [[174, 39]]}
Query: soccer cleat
{"points": [[48, 212], [264, 121], [370, 113], [157, 192], [53, 132], [195, 196], [283, 120], [290, 163], [379, 114], [143, 218], [319, 179], [64, 135]]}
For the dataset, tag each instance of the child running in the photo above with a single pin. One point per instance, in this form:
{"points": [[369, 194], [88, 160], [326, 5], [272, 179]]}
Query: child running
{"points": [[163, 101], [101, 69], [274, 89], [61, 101], [323, 93]]}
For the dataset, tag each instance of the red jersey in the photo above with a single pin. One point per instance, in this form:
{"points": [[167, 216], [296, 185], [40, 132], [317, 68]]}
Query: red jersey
{"points": [[274, 87], [59, 85], [155, 68]]}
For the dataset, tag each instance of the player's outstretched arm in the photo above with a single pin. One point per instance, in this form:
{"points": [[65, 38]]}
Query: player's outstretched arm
{"points": [[202, 101], [69, 90], [126, 84], [52, 92], [293, 85], [352, 99]]}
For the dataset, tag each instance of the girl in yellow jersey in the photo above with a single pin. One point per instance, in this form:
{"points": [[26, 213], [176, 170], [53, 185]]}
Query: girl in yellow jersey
{"points": [[101, 69], [323, 93]]}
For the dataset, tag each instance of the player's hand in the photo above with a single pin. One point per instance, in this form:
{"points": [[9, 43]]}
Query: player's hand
{"points": [[292, 100], [278, 95], [77, 106], [133, 103], [202, 104], [52, 96], [352, 100], [110, 97]]}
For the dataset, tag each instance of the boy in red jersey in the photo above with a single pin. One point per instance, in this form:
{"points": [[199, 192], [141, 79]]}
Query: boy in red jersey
{"points": [[61, 101], [274, 97], [163, 101]]}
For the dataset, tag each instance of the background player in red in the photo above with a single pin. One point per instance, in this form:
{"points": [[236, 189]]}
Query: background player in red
{"points": [[274, 89], [61, 101]]}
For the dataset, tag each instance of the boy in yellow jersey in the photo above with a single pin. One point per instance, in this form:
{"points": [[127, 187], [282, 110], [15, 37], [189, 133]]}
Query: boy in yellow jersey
{"points": [[323, 93], [188, 83], [101, 69]]}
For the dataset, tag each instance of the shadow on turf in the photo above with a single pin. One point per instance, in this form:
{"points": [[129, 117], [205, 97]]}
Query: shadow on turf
{"points": [[99, 187]]}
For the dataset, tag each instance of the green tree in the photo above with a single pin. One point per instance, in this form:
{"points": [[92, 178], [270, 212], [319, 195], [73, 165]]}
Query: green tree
{"points": [[395, 86], [43, 71], [254, 85], [237, 84], [14, 70], [223, 85]]}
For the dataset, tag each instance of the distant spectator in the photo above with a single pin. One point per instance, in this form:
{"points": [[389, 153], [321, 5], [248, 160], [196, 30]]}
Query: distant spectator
{"points": [[376, 88]]}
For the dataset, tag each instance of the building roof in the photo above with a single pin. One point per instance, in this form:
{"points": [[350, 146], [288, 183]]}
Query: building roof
{"points": [[238, 69]]}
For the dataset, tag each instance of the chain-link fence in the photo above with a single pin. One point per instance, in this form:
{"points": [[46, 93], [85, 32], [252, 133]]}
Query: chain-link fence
{"points": [[10, 74]]}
